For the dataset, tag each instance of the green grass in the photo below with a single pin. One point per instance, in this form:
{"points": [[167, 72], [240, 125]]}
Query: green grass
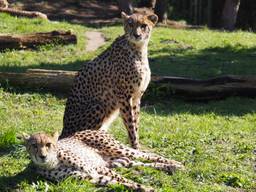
{"points": [[199, 53], [214, 140], [194, 53]]}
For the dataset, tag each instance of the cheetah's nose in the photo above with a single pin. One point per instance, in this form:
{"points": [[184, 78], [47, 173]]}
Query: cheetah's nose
{"points": [[43, 157], [136, 36]]}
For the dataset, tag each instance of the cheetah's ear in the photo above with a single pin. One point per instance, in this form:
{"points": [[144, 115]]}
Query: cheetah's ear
{"points": [[124, 15], [24, 136], [55, 135], [153, 18]]}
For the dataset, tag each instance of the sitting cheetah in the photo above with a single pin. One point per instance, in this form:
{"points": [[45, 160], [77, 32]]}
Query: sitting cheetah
{"points": [[90, 154], [113, 82]]}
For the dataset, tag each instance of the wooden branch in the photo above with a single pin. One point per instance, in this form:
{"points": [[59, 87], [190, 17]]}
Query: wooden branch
{"points": [[21, 13], [36, 39], [186, 88]]}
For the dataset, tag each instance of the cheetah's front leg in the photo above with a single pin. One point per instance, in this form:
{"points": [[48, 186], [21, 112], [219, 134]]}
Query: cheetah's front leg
{"points": [[117, 178], [63, 172], [136, 109], [130, 119]]}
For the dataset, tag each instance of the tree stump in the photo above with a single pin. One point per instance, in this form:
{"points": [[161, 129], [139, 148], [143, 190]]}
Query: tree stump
{"points": [[229, 14]]}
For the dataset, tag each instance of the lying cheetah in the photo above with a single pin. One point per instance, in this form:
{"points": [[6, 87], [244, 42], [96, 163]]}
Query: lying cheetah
{"points": [[113, 82], [90, 155], [4, 4]]}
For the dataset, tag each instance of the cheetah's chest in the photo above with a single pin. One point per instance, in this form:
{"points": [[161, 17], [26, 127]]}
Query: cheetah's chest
{"points": [[85, 153], [143, 77]]}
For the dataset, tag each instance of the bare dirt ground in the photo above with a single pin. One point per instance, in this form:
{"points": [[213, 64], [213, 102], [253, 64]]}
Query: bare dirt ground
{"points": [[88, 12], [95, 39], [75, 11]]}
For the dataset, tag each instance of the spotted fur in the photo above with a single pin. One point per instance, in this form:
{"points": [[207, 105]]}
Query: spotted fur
{"points": [[113, 82], [4, 4], [90, 155]]}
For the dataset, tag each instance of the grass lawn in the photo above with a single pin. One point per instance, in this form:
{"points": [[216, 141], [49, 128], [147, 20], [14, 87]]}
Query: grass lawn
{"points": [[215, 140]]}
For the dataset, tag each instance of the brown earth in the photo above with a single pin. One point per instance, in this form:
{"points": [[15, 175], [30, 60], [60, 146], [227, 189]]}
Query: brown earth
{"points": [[95, 12], [75, 11]]}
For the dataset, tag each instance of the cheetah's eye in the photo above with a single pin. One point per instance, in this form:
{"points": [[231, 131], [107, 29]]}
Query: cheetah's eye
{"points": [[48, 145], [143, 26], [130, 21]]}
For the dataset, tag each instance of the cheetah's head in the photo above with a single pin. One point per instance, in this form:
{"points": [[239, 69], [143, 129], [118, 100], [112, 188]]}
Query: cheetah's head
{"points": [[42, 149], [138, 27]]}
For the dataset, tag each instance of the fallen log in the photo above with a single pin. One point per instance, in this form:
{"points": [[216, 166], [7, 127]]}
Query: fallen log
{"points": [[22, 13], [34, 40], [160, 86], [203, 90], [50, 80]]}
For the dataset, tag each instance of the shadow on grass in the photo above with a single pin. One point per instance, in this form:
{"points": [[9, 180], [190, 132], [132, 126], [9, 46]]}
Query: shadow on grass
{"points": [[72, 66], [233, 106], [5, 150], [179, 60], [210, 62], [19, 90], [83, 13], [11, 183], [206, 63]]}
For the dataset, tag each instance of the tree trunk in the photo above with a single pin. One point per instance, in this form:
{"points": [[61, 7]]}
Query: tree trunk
{"points": [[39, 79], [161, 10], [32, 41], [229, 14], [203, 90], [161, 86], [126, 6], [148, 3], [209, 13]]}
